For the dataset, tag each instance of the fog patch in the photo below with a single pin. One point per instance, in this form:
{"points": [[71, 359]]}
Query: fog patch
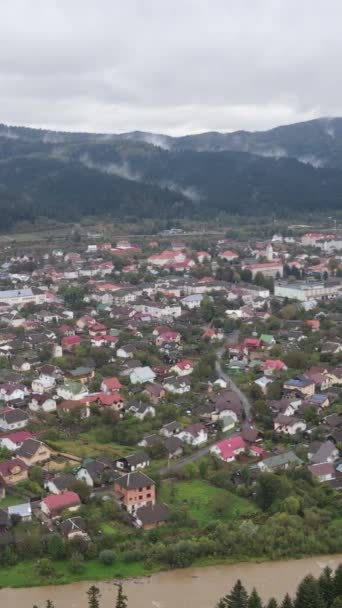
{"points": [[120, 170]]}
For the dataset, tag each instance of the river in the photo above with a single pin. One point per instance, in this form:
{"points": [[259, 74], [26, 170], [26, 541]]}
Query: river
{"points": [[191, 587]]}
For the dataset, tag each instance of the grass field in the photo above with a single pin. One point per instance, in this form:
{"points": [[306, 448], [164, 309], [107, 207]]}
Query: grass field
{"points": [[9, 500], [86, 446], [203, 498], [25, 573]]}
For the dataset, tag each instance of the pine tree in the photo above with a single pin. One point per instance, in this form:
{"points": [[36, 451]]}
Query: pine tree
{"points": [[237, 598], [272, 603], [326, 586], [94, 595], [287, 602], [254, 600], [338, 581], [121, 600], [308, 594]]}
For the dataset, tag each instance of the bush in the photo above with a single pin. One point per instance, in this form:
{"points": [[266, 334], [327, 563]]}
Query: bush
{"points": [[133, 555], [45, 567], [76, 563], [107, 557]]}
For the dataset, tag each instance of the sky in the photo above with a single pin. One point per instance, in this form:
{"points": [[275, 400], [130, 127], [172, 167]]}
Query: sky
{"points": [[169, 66]]}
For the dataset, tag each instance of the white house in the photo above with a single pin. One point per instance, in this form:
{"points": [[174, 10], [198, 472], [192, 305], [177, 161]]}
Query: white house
{"points": [[182, 368], [140, 375], [43, 383], [195, 434], [289, 425], [13, 420]]}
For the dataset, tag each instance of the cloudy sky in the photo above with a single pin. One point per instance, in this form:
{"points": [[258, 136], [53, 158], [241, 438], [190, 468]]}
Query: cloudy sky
{"points": [[171, 66]]}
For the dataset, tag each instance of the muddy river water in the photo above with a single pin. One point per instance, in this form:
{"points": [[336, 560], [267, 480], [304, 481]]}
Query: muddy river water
{"points": [[197, 587]]}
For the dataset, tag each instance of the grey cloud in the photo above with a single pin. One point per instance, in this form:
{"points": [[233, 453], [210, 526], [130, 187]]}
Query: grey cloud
{"points": [[178, 67]]}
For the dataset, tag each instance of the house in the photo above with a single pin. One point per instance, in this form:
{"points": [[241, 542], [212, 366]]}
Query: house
{"points": [[131, 463], [182, 368], [280, 461], [114, 401], [263, 383], [151, 516], [13, 419], [70, 405], [170, 429], [304, 385], [173, 447], [331, 348], [24, 511], [324, 471], [72, 390], [141, 375], [173, 337], [267, 340], [13, 392], [34, 452], [155, 392], [110, 385], [92, 472], [141, 409], [228, 449], [41, 402], [179, 386], [249, 433], [271, 366], [81, 374], [60, 483], [228, 256], [13, 441], [53, 504], [70, 342], [135, 490], [13, 471], [213, 334], [73, 527], [192, 301], [327, 452], [194, 435], [289, 425]]}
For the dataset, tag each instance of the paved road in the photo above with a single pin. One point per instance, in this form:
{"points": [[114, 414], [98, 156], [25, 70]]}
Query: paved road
{"points": [[179, 464], [247, 406]]}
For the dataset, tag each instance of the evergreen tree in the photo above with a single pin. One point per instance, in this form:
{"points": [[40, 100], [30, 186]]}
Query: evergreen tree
{"points": [[287, 602], [272, 603], [237, 598], [121, 600], [337, 603], [94, 595], [308, 594], [254, 600], [326, 586], [338, 581]]}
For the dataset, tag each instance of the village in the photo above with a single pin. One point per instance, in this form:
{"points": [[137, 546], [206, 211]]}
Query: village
{"points": [[150, 385]]}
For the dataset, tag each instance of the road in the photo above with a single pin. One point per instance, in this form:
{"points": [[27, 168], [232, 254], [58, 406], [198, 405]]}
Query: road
{"points": [[176, 466], [179, 464], [246, 404]]}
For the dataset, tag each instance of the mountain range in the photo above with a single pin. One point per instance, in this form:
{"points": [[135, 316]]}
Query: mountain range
{"points": [[66, 175]]}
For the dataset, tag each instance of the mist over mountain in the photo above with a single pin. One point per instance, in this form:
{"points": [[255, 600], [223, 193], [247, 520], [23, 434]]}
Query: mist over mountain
{"points": [[66, 175]]}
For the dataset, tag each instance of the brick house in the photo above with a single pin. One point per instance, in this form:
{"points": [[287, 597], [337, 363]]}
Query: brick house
{"points": [[135, 490]]}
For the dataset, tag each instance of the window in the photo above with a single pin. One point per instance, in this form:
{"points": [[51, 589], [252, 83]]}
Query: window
{"points": [[140, 497], [148, 487], [140, 489], [148, 495]]}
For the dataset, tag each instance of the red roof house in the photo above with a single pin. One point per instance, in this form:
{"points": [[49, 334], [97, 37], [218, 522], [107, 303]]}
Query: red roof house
{"points": [[53, 504], [228, 449]]}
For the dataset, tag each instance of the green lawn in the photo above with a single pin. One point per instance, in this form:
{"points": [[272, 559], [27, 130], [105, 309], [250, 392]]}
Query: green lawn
{"points": [[201, 498], [9, 500], [86, 446], [24, 574]]}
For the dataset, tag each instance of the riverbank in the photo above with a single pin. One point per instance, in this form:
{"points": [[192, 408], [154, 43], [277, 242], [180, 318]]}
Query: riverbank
{"points": [[24, 574], [187, 588]]}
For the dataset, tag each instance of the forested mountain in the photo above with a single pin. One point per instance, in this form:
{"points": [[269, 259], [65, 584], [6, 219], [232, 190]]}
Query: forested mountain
{"points": [[66, 175]]}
